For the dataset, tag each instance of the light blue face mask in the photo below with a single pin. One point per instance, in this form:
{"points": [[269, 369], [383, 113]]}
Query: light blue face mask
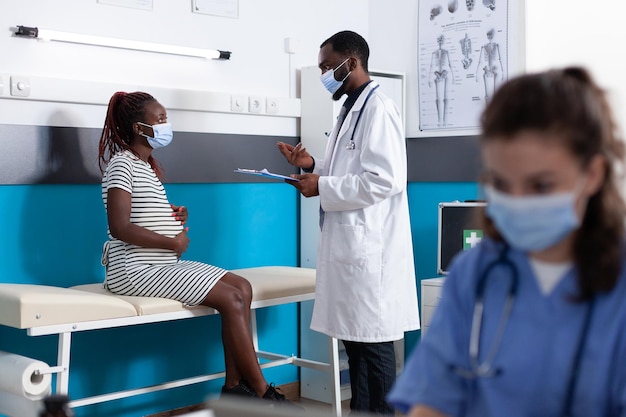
{"points": [[532, 223], [329, 81], [163, 134]]}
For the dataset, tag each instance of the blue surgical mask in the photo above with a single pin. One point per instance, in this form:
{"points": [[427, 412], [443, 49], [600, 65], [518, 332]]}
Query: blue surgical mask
{"points": [[532, 223], [162, 135], [329, 81]]}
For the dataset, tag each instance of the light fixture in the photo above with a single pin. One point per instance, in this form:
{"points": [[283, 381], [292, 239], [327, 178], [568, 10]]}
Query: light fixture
{"points": [[53, 35]]}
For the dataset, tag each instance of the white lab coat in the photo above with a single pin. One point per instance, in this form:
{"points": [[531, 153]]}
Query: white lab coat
{"points": [[365, 289]]}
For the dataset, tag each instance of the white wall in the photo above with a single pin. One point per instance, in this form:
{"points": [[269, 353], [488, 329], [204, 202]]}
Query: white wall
{"points": [[259, 64], [558, 32], [393, 47], [579, 32]]}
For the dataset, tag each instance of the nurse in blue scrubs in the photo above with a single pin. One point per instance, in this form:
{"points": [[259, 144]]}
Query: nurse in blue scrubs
{"points": [[532, 322]]}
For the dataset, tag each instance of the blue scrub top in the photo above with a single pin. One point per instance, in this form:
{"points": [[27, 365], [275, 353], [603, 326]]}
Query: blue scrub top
{"points": [[537, 352]]}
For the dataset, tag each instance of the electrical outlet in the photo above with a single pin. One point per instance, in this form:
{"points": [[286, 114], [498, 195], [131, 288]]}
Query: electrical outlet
{"points": [[271, 105], [238, 103], [255, 105], [20, 86]]}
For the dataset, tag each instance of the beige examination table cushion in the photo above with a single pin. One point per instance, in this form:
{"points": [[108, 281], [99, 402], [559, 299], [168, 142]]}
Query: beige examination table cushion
{"points": [[25, 306], [47, 310]]}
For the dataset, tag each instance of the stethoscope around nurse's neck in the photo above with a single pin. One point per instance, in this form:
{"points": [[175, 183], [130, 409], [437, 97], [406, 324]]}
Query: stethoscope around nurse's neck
{"points": [[486, 369]]}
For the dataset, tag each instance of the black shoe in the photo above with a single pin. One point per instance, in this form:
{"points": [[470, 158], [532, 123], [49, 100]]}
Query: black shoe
{"points": [[241, 389], [272, 394]]}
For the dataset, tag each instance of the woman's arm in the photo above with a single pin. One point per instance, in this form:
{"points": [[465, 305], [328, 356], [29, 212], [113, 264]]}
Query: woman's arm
{"points": [[120, 226]]}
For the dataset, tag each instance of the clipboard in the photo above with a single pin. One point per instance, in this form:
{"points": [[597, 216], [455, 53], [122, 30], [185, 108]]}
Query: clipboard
{"points": [[265, 173]]}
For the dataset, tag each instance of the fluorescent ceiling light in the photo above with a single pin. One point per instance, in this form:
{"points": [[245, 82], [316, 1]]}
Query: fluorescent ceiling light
{"points": [[53, 35]]}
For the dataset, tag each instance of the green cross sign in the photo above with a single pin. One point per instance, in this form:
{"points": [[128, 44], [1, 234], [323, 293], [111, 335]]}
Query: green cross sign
{"points": [[471, 238]]}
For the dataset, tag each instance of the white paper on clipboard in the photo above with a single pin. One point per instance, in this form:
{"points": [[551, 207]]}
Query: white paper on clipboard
{"points": [[264, 173]]}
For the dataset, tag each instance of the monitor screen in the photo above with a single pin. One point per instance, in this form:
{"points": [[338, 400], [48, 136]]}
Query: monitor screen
{"points": [[459, 229]]}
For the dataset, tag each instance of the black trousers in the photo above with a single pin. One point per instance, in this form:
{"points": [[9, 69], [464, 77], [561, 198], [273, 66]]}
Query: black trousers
{"points": [[372, 373]]}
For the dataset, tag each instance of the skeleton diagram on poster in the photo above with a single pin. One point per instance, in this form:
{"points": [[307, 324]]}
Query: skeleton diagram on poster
{"points": [[462, 58]]}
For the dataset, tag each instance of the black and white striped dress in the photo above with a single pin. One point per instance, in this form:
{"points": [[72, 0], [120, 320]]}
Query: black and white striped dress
{"points": [[150, 272]]}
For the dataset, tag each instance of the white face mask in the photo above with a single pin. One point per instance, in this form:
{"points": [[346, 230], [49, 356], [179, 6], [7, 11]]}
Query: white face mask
{"points": [[163, 135], [329, 81], [532, 223]]}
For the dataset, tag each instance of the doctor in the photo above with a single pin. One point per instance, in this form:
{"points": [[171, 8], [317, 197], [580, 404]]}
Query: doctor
{"points": [[365, 292], [532, 321]]}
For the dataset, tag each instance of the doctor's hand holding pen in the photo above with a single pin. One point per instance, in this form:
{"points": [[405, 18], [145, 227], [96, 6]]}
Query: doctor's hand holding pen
{"points": [[300, 157]]}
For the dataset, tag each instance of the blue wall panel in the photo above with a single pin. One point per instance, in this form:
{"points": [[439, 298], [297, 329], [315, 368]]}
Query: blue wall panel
{"points": [[424, 199], [53, 235]]}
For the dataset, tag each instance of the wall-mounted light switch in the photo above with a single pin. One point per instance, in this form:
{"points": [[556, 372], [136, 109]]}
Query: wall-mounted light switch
{"points": [[238, 103]]}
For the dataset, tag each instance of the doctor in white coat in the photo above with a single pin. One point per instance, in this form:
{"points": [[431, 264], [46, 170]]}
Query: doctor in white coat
{"points": [[366, 293]]}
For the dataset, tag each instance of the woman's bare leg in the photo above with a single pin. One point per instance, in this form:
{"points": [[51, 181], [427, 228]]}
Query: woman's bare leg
{"points": [[233, 375], [232, 296]]}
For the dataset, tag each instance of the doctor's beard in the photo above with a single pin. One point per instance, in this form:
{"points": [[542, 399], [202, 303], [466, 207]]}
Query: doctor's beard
{"points": [[340, 92]]}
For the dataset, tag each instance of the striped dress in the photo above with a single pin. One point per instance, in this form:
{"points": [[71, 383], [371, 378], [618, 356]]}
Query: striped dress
{"points": [[150, 272]]}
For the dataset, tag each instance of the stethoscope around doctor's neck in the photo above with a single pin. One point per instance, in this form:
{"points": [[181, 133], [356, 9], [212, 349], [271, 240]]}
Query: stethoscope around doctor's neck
{"points": [[351, 145], [486, 369]]}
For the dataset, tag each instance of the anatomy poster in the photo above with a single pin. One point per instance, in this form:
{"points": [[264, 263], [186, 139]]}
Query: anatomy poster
{"points": [[462, 58]]}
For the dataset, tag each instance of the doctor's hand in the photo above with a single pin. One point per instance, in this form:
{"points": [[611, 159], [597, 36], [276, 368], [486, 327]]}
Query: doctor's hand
{"points": [[296, 155], [307, 184]]}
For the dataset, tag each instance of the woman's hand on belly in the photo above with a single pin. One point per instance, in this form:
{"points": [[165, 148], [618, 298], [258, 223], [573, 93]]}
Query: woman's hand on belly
{"points": [[181, 242]]}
